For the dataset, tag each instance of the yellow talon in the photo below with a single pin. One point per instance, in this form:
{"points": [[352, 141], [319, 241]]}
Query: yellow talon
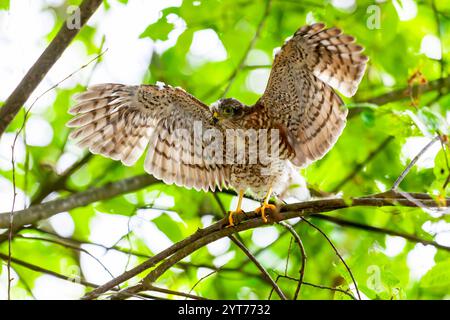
{"points": [[266, 205], [230, 217], [261, 210], [237, 211]]}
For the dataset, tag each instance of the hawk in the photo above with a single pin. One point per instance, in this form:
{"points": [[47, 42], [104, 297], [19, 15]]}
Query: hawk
{"points": [[299, 104]]}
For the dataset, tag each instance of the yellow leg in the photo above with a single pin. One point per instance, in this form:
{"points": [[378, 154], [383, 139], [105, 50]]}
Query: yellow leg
{"points": [[266, 205], [238, 209]]}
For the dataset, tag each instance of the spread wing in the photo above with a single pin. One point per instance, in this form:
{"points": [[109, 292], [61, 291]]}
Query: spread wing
{"points": [[119, 121], [300, 94]]}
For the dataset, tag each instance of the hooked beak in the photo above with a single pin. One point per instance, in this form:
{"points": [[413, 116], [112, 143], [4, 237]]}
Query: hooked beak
{"points": [[215, 117]]}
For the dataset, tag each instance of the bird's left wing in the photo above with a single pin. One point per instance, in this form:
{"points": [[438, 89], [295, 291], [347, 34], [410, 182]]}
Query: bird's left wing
{"points": [[300, 96], [119, 121]]}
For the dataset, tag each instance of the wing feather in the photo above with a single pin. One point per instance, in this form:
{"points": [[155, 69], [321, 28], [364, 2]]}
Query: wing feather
{"points": [[300, 96], [119, 121]]}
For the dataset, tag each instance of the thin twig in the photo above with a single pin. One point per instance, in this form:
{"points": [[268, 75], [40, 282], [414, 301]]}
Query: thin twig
{"points": [[67, 245], [61, 180], [338, 254], [319, 286], [362, 226], [175, 293], [362, 164], [439, 33], [11, 220], [286, 267], [412, 163], [44, 63], [36, 268], [298, 240], [201, 279], [260, 267], [230, 80], [252, 258], [249, 48]]}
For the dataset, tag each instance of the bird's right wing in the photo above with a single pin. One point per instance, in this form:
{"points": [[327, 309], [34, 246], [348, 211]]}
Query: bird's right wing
{"points": [[299, 94], [119, 121]]}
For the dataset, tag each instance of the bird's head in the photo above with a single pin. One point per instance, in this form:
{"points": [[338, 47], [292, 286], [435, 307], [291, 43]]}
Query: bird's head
{"points": [[227, 110]]}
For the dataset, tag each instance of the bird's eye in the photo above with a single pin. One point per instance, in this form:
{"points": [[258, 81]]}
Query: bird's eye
{"points": [[228, 110], [237, 112]]}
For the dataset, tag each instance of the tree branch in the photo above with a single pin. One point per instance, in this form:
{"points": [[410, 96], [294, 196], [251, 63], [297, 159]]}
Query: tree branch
{"points": [[413, 162], [403, 93], [239, 242], [60, 181], [362, 226], [202, 237], [46, 210], [46, 271], [85, 283], [50, 208], [43, 64]]}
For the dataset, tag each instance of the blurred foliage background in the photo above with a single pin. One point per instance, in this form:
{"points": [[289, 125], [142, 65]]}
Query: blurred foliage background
{"points": [[209, 47]]}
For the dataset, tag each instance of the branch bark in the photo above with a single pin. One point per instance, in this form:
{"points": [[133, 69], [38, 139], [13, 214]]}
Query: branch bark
{"points": [[43, 64], [48, 209]]}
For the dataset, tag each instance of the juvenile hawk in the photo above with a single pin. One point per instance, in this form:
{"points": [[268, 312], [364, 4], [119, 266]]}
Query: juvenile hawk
{"points": [[299, 103]]}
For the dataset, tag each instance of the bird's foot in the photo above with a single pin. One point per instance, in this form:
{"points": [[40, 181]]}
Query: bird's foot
{"points": [[230, 216], [262, 210]]}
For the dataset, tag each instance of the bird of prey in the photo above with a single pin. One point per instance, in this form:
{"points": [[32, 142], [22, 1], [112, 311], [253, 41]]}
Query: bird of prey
{"points": [[299, 104]]}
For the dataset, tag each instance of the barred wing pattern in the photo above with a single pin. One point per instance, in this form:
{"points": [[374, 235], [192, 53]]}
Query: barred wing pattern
{"points": [[300, 94], [119, 121]]}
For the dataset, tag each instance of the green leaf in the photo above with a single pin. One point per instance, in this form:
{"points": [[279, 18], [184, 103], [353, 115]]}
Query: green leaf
{"points": [[158, 31], [4, 4], [368, 117], [440, 165], [438, 276], [170, 228], [118, 205]]}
